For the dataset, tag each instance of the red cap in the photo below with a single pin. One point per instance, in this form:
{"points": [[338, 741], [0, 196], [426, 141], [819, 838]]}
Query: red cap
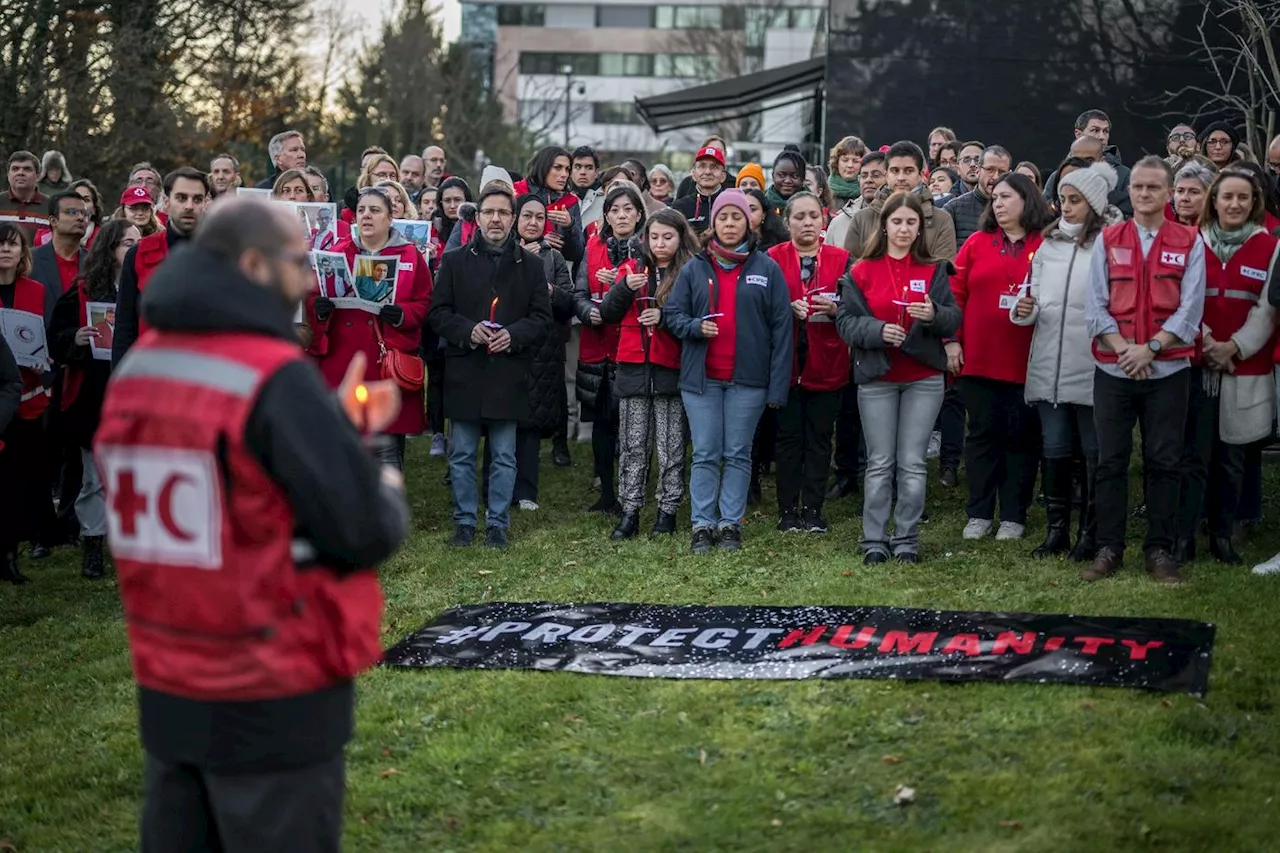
{"points": [[135, 195], [714, 153]]}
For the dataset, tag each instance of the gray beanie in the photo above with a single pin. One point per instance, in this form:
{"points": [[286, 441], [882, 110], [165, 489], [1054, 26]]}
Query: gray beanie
{"points": [[1094, 183]]}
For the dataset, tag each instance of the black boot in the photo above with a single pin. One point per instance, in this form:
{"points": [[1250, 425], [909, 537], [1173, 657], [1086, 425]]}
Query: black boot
{"points": [[1087, 533], [1224, 551], [664, 524], [91, 557], [754, 495], [9, 567], [627, 527], [1184, 550], [560, 451], [1057, 508]]}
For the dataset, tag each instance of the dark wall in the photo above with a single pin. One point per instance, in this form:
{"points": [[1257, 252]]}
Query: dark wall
{"points": [[1012, 72]]}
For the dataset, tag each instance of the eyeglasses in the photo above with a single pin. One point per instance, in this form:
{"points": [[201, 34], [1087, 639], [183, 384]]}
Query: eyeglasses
{"points": [[1182, 137], [384, 176], [496, 214], [1275, 167], [74, 212], [971, 161], [1217, 141]]}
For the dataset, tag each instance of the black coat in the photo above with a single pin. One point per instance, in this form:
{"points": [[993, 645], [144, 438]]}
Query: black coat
{"points": [[479, 385], [966, 212], [79, 421], [548, 403], [10, 386]]}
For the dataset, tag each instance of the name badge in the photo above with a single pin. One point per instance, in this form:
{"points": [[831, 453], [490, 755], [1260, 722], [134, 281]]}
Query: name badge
{"points": [[917, 285], [758, 280], [405, 267], [1007, 301], [1121, 256], [1173, 259], [1255, 274]]}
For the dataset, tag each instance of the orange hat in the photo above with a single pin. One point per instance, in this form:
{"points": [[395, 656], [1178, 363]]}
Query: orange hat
{"points": [[751, 170]]}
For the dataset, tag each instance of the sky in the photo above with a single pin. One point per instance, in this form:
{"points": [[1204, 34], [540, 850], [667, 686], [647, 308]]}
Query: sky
{"points": [[372, 12]]}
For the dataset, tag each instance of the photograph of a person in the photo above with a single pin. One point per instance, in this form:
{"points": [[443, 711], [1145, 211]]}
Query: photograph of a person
{"points": [[416, 231], [333, 278], [102, 317], [376, 278]]}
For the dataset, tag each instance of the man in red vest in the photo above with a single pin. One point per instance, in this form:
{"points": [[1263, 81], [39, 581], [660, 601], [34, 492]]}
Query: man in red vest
{"points": [[245, 516], [1143, 311], [188, 193]]}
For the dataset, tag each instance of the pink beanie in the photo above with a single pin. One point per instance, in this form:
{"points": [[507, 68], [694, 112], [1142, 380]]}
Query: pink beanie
{"points": [[735, 198]]}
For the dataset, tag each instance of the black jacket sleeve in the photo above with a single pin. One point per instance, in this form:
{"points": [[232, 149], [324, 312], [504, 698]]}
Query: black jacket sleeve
{"points": [[562, 309], [301, 436], [63, 326], [10, 385], [126, 330], [617, 301]]}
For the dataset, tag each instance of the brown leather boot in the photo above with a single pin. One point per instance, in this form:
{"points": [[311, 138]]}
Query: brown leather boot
{"points": [[1162, 567], [1104, 565]]}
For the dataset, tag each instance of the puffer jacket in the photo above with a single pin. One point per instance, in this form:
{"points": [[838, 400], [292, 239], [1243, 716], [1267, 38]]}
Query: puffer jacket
{"points": [[548, 402], [966, 212], [1060, 368]]}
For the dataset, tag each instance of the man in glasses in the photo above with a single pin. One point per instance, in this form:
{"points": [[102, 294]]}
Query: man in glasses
{"points": [[241, 503], [966, 210], [1182, 143], [490, 334]]}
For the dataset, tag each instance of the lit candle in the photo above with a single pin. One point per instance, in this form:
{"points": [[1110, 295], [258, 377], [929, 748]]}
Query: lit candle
{"points": [[493, 311], [362, 399]]}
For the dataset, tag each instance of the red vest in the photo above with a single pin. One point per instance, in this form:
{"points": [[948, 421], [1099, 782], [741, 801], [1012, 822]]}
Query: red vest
{"points": [[599, 343], [1145, 292], [645, 344], [215, 605], [826, 366], [565, 201], [1233, 289], [28, 295], [152, 250]]}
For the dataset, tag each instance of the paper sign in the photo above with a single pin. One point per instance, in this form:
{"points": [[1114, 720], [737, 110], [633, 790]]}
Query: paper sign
{"points": [[318, 221], [333, 276], [263, 193], [24, 332], [416, 231], [102, 317]]}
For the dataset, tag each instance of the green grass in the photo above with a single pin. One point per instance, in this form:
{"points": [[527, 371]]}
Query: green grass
{"points": [[468, 760]]}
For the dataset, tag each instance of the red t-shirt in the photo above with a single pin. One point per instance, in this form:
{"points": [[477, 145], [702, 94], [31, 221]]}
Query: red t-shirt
{"points": [[68, 269], [721, 349], [883, 281]]}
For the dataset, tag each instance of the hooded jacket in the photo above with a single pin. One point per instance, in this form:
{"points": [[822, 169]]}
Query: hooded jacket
{"points": [[939, 230], [301, 437], [548, 402], [1060, 369], [53, 160]]}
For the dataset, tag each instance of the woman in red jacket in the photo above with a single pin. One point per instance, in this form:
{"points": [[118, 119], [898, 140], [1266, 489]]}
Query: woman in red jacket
{"points": [[547, 177], [388, 331], [26, 504], [821, 366], [990, 355], [647, 380], [611, 256]]}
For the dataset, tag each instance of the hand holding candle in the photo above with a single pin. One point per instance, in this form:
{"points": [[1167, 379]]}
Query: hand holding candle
{"points": [[922, 311], [371, 406]]}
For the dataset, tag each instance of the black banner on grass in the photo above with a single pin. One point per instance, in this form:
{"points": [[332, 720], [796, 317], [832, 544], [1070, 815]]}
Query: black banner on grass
{"points": [[691, 641]]}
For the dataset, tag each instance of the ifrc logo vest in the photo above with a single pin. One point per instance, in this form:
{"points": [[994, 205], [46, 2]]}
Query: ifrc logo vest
{"points": [[1233, 289], [1146, 291]]}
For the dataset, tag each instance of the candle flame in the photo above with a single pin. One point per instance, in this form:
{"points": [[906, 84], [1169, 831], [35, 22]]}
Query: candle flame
{"points": [[362, 394]]}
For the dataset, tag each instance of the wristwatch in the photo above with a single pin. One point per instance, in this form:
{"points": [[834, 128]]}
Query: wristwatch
{"points": [[1155, 346]]}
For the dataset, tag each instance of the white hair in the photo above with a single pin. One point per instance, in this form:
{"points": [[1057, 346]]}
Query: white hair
{"points": [[276, 146]]}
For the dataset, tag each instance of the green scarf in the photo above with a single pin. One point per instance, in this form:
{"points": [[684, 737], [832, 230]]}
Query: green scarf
{"points": [[842, 189], [775, 200], [1224, 243]]}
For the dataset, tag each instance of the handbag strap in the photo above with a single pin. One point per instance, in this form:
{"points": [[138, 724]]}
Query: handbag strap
{"points": [[377, 331]]}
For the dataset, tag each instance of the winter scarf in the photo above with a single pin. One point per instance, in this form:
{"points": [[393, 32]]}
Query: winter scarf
{"points": [[775, 199], [1224, 243], [842, 189], [728, 258]]}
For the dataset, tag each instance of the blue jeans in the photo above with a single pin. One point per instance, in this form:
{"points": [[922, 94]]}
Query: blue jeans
{"points": [[1060, 424], [722, 422], [464, 445]]}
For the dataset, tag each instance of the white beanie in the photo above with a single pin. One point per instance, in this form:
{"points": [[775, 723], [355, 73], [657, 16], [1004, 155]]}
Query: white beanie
{"points": [[1094, 183], [496, 173]]}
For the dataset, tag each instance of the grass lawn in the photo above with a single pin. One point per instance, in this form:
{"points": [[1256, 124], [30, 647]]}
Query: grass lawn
{"points": [[468, 760]]}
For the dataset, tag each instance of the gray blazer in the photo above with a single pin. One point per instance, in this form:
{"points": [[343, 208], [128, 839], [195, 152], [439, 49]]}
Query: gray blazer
{"points": [[44, 269]]}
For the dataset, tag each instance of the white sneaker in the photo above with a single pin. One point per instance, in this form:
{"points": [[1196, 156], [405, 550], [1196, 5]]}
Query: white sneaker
{"points": [[935, 445], [584, 432], [528, 506], [1010, 530], [439, 445], [977, 528], [1270, 567]]}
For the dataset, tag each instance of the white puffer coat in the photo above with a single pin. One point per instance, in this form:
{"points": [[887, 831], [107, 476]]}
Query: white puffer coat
{"points": [[1060, 370]]}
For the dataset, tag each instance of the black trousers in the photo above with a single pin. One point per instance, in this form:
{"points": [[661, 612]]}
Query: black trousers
{"points": [[604, 441], [805, 424], [1160, 406], [435, 389], [528, 450], [1197, 452], [190, 810], [1001, 451], [1226, 475], [851, 450], [951, 425]]}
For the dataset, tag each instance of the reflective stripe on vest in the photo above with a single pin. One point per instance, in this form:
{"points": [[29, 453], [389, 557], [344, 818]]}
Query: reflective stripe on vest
{"points": [[303, 552], [37, 392], [1231, 294], [209, 371]]}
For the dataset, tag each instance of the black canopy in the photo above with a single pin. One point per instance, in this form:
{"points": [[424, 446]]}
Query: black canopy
{"points": [[738, 97]]}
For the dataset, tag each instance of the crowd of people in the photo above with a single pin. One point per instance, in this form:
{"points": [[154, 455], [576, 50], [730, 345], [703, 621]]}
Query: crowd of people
{"points": [[841, 322]]}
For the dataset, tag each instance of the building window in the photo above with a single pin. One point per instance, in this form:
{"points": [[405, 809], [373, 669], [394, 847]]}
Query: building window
{"points": [[540, 112], [614, 112], [694, 65], [760, 21], [522, 15], [541, 62], [805, 18], [688, 17], [626, 65], [628, 17]]}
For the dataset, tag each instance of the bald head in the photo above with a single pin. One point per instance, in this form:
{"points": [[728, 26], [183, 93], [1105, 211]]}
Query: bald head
{"points": [[412, 171], [433, 155], [1087, 148], [238, 224], [1273, 155]]}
